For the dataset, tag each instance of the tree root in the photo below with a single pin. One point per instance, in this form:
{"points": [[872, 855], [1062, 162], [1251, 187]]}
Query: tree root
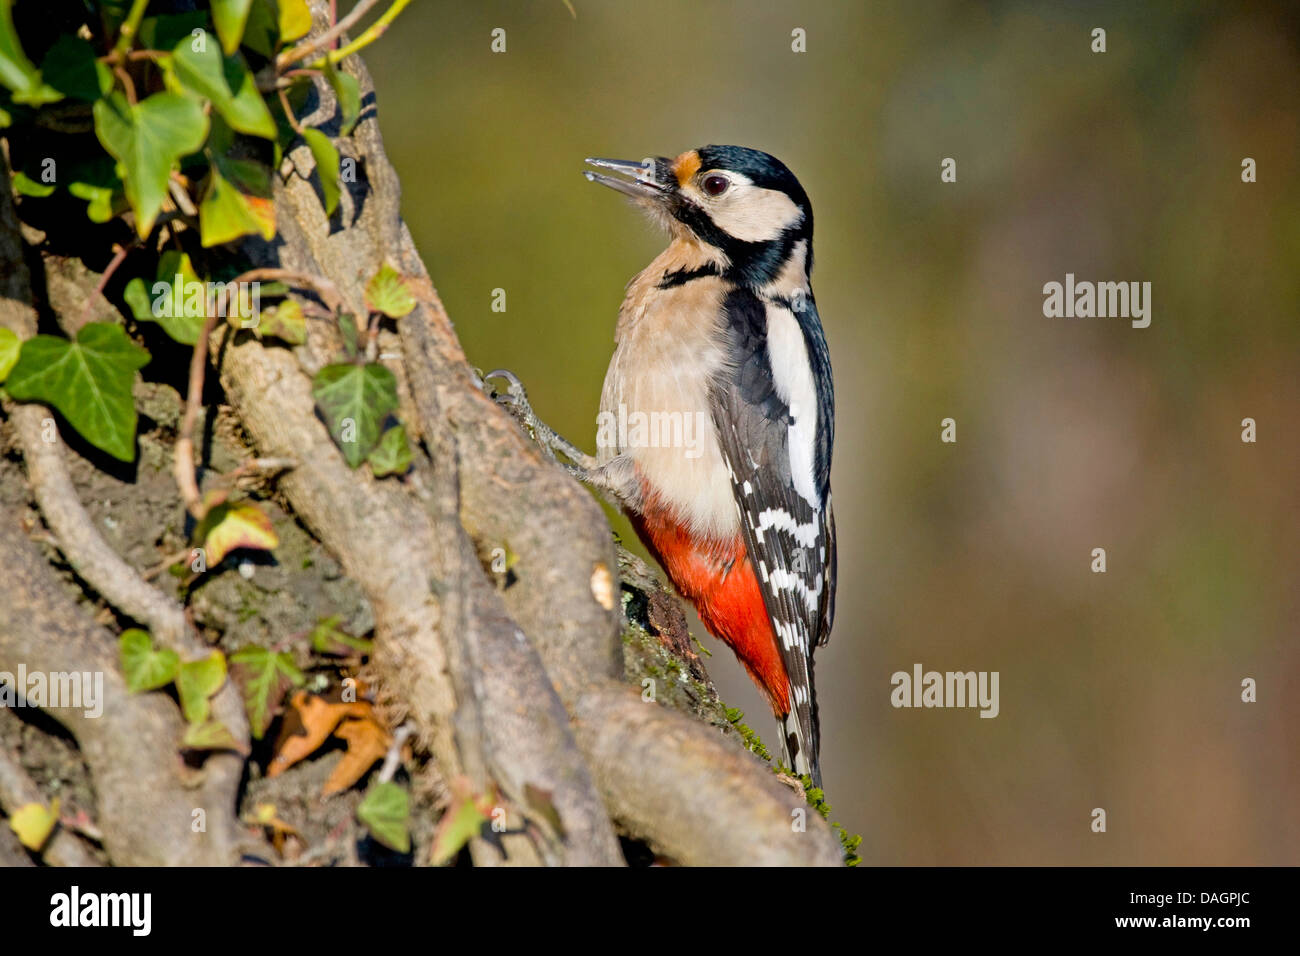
{"points": [[146, 805], [17, 789]]}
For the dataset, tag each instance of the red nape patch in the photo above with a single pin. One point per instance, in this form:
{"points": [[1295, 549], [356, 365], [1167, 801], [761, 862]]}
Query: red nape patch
{"points": [[719, 579]]}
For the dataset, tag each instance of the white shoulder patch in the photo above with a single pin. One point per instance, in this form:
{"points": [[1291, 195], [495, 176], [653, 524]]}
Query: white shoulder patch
{"points": [[792, 375]]}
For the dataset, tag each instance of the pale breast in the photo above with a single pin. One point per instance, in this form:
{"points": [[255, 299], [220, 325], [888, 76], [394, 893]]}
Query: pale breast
{"points": [[655, 404]]}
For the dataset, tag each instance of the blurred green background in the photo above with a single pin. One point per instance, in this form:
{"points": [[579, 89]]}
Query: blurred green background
{"points": [[1118, 690]]}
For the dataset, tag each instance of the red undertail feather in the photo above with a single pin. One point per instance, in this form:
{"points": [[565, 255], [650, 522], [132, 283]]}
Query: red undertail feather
{"points": [[719, 579]]}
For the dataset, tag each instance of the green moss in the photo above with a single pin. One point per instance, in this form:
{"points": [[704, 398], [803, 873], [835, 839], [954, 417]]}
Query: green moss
{"points": [[849, 842], [815, 796], [249, 598], [645, 657], [753, 743]]}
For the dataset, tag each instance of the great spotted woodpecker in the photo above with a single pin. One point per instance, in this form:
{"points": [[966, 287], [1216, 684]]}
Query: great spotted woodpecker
{"points": [[722, 329]]}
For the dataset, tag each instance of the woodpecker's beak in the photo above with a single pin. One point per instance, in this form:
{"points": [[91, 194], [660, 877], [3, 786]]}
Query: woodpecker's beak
{"points": [[647, 179]]}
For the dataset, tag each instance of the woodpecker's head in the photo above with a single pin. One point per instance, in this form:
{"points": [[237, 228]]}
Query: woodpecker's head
{"points": [[742, 202]]}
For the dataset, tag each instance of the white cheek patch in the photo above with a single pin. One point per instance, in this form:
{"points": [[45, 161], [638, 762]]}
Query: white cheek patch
{"points": [[752, 214]]}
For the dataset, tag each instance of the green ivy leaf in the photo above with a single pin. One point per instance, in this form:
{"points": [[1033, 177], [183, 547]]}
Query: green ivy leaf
{"points": [[142, 666], [230, 17], [89, 381], [177, 300], [385, 811], [284, 322], [387, 292], [24, 185], [262, 32], [196, 682], [226, 82], [95, 181], [459, 824], [210, 735], [294, 19], [227, 527], [348, 332], [327, 167], [327, 637], [138, 301], [228, 211], [72, 68], [355, 400], [10, 345], [147, 140], [163, 32], [273, 289], [348, 91], [17, 72], [266, 677], [99, 200], [392, 456]]}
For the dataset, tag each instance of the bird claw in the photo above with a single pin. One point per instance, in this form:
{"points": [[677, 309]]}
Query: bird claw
{"points": [[514, 398], [575, 462], [515, 401], [514, 394]]}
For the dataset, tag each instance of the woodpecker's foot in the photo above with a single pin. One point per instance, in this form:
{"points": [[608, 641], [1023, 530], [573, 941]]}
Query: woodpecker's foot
{"points": [[794, 783], [515, 399]]}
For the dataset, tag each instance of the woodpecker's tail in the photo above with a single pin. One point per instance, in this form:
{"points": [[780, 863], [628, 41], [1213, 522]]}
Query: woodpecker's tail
{"points": [[800, 744]]}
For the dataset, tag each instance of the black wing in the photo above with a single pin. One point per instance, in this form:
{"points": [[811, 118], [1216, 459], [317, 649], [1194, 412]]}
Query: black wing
{"points": [[790, 538]]}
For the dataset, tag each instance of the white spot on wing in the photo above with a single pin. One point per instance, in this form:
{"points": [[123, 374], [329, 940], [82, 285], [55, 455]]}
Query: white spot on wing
{"points": [[787, 580], [782, 520], [792, 375]]}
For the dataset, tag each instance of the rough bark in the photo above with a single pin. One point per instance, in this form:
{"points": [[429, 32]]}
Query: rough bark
{"points": [[146, 800]]}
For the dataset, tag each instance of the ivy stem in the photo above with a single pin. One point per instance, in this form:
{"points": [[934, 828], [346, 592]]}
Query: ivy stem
{"points": [[306, 49], [288, 112], [373, 33], [183, 454], [126, 35], [183, 468], [164, 564], [323, 287], [127, 84], [259, 464], [119, 254]]}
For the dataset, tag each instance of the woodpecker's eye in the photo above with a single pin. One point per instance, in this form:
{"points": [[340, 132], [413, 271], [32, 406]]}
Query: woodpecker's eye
{"points": [[716, 185]]}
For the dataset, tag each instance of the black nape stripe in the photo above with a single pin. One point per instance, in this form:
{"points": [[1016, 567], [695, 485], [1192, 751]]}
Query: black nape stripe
{"points": [[682, 276]]}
